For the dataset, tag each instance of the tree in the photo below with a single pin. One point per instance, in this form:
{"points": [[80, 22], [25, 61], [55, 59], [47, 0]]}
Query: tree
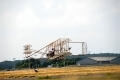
{"points": [[1, 68]]}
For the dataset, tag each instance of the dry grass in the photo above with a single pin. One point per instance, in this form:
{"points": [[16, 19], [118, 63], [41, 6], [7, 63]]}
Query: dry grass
{"points": [[68, 72]]}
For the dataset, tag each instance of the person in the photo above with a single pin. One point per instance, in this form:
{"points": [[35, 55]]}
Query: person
{"points": [[53, 52]]}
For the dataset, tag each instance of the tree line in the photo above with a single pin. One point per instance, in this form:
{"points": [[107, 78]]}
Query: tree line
{"points": [[36, 63]]}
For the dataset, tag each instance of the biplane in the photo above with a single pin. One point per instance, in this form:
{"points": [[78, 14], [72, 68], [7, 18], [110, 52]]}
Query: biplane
{"points": [[56, 50]]}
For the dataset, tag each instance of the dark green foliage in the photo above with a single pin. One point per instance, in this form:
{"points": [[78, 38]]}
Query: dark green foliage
{"points": [[8, 64], [1, 68], [25, 63], [66, 62]]}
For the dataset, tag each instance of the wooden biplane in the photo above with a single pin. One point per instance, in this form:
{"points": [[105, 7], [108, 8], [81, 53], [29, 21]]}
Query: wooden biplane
{"points": [[56, 50]]}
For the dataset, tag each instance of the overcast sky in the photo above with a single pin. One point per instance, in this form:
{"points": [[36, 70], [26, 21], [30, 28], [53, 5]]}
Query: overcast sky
{"points": [[39, 22]]}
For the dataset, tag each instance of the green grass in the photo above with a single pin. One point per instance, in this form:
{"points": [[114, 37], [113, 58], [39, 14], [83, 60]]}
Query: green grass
{"points": [[45, 77]]}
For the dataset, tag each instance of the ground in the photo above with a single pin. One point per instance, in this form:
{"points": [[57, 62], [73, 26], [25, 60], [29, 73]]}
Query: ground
{"points": [[65, 73]]}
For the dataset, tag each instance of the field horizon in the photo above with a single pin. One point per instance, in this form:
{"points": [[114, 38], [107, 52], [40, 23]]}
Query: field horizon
{"points": [[65, 73]]}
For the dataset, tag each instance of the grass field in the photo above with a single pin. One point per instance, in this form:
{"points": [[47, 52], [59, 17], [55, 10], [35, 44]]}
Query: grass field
{"points": [[66, 73]]}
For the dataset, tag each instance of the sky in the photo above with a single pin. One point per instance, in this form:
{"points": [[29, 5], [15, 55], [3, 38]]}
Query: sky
{"points": [[40, 22]]}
